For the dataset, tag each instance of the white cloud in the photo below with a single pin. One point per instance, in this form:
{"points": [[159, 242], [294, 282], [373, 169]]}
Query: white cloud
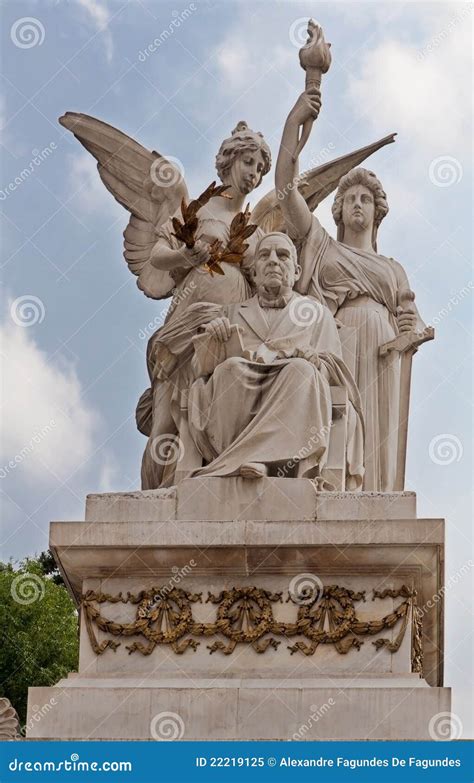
{"points": [[241, 59], [109, 475], [100, 18], [47, 429], [422, 92], [234, 63], [90, 194], [241, 62]]}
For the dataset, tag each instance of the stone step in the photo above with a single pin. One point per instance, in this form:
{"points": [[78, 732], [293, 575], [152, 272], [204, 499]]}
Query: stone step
{"points": [[246, 712], [234, 498]]}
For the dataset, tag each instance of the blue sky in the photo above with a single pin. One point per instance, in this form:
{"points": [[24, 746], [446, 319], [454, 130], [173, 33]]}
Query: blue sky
{"points": [[396, 67]]}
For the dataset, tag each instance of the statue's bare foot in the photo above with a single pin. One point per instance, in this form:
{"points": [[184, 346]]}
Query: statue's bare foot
{"points": [[253, 470]]}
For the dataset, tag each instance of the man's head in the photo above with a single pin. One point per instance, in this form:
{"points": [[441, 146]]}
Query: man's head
{"points": [[276, 264]]}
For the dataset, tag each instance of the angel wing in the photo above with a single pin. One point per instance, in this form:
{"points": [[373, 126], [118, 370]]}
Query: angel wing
{"points": [[147, 184], [314, 185]]}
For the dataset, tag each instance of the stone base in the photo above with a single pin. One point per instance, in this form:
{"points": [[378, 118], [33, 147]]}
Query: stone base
{"points": [[188, 608], [236, 709]]}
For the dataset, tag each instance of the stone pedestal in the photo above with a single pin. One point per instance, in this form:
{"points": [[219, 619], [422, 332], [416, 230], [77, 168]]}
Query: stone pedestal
{"points": [[203, 619]]}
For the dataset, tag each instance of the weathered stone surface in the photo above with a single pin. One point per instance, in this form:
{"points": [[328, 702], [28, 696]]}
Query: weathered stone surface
{"points": [[357, 554], [144, 506], [365, 542], [234, 498], [340, 709]]}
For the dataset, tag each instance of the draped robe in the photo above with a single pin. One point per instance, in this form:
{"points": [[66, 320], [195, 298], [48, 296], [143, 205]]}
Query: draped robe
{"points": [[362, 291], [156, 407], [277, 411]]}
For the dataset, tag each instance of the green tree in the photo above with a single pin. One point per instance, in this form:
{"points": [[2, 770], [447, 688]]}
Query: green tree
{"points": [[38, 629]]}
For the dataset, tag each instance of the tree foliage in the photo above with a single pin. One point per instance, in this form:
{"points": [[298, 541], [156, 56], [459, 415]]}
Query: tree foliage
{"points": [[38, 628]]}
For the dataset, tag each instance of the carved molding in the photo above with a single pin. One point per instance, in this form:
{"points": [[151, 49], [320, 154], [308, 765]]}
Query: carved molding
{"points": [[245, 616]]}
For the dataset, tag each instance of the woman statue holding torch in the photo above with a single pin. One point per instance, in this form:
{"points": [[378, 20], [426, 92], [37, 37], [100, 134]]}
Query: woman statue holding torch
{"points": [[364, 289]]}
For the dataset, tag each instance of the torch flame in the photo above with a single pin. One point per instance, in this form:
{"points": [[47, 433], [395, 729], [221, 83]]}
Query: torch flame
{"points": [[316, 52]]}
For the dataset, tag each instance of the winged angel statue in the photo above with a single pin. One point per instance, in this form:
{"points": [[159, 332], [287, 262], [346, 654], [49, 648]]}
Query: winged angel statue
{"points": [[194, 251]]}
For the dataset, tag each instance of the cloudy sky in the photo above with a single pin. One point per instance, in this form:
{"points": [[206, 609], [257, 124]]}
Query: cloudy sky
{"points": [[72, 318]]}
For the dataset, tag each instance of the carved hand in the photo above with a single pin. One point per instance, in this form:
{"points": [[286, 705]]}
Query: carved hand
{"points": [[219, 329], [406, 320], [307, 107], [310, 355], [197, 255]]}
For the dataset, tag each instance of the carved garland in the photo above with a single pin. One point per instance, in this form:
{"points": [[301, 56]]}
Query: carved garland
{"points": [[245, 615]]}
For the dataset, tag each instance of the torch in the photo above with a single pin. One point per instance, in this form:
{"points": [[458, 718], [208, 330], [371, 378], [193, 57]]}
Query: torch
{"points": [[315, 59]]}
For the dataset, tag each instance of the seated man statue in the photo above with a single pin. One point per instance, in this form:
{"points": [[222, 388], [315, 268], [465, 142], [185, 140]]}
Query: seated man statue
{"points": [[270, 405]]}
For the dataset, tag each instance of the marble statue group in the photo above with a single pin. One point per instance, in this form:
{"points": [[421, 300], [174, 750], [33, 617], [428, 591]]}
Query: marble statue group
{"points": [[284, 352], [273, 546]]}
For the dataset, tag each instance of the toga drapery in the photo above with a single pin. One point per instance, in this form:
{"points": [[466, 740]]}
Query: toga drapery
{"points": [[362, 291], [277, 411]]}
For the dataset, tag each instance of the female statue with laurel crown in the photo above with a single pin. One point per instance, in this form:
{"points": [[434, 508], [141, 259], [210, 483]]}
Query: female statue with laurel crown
{"points": [[366, 291], [195, 251], [241, 163]]}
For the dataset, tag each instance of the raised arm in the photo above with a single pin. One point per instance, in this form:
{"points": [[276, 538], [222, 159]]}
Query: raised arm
{"points": [[295, 209]]}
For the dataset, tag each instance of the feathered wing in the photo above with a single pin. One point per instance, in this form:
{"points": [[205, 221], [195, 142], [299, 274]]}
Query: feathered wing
{"points": [[148, 185], [314, 185]]}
